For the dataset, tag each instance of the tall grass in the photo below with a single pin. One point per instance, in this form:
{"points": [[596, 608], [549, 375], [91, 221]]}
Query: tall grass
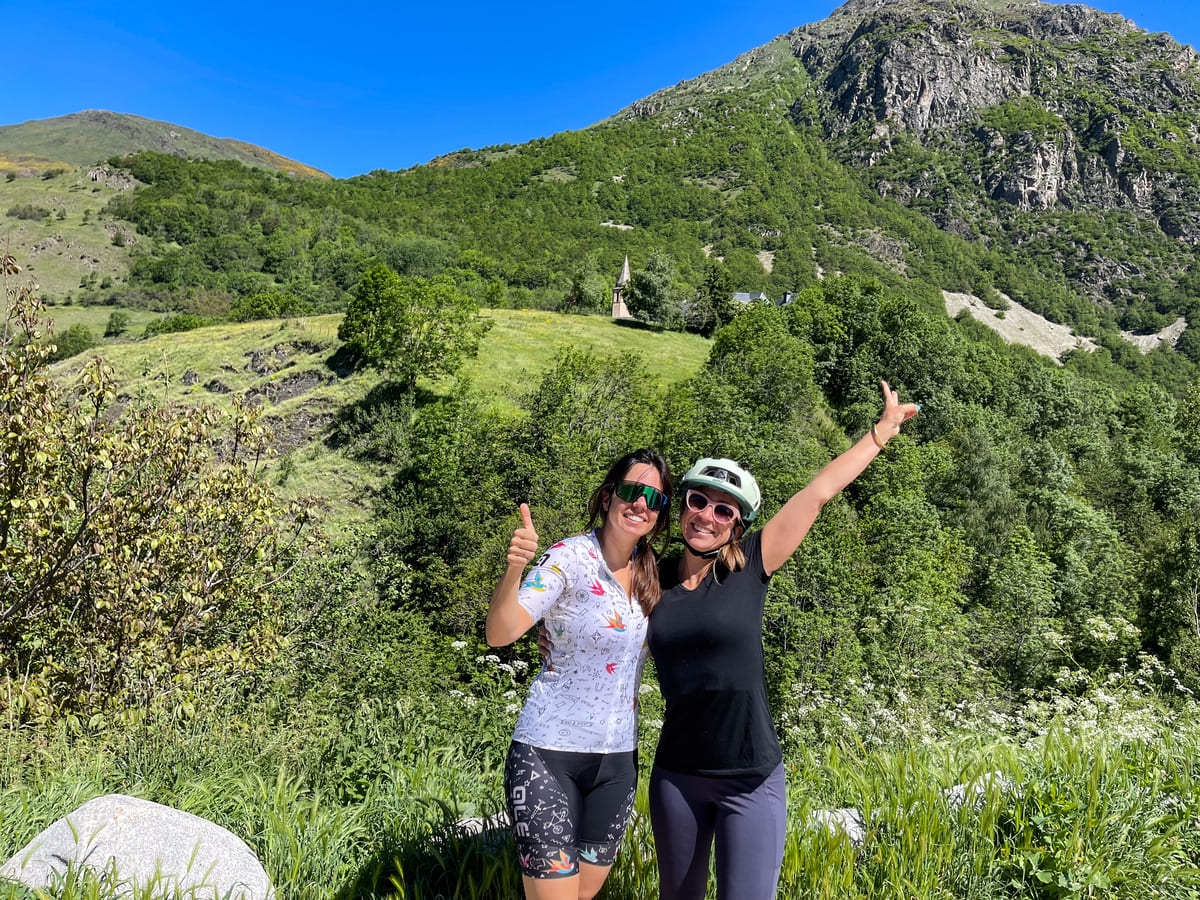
{"points": [[363, 804]]}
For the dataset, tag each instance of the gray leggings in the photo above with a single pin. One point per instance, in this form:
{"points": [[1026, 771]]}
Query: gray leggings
{"points": [[746, 816]]}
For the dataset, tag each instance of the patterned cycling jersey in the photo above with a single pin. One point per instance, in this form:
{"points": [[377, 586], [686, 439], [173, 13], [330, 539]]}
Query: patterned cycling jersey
{"points": [[585, 697]]}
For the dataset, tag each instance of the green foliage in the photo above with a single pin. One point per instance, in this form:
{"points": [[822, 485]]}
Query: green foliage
{"points": [[714, 306], [75, 340], [175, 324], [751, 181], [267, 305], [118, 323], [1019, 559], [651, 295], [585, 412], [134, 569], [362, 799], [590, 291], [1022, 114], [1173, 598], [768, 370], [416, 255], [1016, 620], [28, 212], [464, 471], [409, 327]]}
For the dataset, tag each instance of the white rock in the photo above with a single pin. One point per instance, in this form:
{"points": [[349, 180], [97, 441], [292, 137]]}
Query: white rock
{"points": [[146, 843]]}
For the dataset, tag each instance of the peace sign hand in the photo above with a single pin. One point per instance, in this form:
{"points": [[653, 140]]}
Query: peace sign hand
{"points": [[894, 415]]}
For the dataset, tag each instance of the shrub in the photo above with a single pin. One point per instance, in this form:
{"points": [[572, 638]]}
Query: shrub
{"points": [[118, 322], [175, 324], [268, 305], [72, 342], [28, 211], [135, 568]]}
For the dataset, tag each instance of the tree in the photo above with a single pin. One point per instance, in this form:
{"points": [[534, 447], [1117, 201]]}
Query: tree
{"points": [[118, 323], [132, 562], [1017, 614], [590, 291], [267, 305], [1172, 598], [416, 255], [408, 327], [651, 295], [72, 342], [714, 307]]}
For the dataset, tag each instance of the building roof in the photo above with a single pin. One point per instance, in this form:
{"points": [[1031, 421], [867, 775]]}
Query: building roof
{"points": [[624, 277]]}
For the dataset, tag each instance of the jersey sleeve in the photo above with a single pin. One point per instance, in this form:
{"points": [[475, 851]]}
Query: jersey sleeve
{"points": [[545, 582], [752, 547]]}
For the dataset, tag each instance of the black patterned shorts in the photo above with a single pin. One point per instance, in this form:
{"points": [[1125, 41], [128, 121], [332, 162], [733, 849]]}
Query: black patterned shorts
{"points": [[568, 807]]}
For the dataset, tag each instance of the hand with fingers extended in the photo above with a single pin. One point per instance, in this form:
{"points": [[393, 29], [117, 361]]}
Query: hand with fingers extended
{"points": [[523, 546], [894, 415], [546, 647]]}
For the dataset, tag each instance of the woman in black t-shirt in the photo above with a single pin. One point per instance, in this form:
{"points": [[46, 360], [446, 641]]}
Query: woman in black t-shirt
{"points": [[718, 771]]}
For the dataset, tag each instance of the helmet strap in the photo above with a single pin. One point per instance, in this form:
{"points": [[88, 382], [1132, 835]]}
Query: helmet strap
{"points": [[711, 554]]}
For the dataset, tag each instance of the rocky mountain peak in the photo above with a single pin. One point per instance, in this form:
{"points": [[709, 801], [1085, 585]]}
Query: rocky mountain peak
{"points": [[981, 112]]}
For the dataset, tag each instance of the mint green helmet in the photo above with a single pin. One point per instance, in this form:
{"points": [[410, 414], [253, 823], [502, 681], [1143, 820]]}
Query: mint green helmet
{"points": [[726, 475]]}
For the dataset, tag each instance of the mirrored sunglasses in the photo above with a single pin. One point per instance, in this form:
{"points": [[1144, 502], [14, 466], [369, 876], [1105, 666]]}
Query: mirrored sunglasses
{"points": [[629, 491], [722, 513]]}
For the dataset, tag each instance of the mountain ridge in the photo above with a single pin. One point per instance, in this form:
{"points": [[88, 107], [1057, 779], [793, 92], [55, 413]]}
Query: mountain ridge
{"points": [[93, 135]]}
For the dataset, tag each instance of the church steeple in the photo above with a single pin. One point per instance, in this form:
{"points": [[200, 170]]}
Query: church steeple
{"points": [[619, 309]]}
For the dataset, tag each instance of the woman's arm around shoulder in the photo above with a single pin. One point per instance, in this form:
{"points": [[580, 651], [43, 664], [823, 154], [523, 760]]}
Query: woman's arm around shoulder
{"points": [[507, 620], [787, 528]]}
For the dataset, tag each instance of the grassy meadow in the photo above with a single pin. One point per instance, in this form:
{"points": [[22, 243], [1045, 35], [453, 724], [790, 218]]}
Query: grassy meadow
{"points": [[72, 241], [289, 364]]}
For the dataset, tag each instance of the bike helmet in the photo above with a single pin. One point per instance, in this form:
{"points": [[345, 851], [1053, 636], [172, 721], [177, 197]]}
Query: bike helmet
{"points": [[726, 475]]}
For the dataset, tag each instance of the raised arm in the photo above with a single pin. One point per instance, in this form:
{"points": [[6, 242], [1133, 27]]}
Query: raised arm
{"points": [[787, 528], [507, 620]]}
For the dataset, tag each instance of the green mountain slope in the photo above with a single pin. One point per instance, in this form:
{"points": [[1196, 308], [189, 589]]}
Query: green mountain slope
{"points": [[1057, 132], [84, 138]]}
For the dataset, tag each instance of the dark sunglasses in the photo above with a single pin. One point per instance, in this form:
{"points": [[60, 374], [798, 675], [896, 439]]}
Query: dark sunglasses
{"points": [[629, 491], [722, 513]]}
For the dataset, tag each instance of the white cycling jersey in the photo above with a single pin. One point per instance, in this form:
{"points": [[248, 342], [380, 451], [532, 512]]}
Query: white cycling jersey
{"points": [[585, 697]]}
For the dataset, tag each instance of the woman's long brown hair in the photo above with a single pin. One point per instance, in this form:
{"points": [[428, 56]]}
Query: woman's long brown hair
{"points": [[645, 562]]}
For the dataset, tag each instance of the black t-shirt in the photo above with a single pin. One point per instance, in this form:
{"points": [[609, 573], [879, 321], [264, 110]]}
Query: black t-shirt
{"points": [[707, 648]]}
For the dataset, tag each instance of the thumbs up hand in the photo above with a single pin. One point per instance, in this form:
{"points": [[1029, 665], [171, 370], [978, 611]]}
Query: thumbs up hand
{"points": [[523, 546]]}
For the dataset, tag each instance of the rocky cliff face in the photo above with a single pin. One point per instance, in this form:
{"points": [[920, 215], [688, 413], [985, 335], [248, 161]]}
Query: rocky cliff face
{"points": [[1116, 123], [996, 120]]}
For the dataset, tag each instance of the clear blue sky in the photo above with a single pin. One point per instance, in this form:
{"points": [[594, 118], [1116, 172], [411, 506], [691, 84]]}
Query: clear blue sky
{"points": [[353, 86]]}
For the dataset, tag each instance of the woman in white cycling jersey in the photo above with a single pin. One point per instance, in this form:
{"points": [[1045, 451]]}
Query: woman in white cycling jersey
{"points": [[571, 771]]}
